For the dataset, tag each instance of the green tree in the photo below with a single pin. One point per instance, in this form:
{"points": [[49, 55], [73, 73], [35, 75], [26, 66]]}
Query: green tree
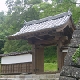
{"points": [[20, 10], [14, 21], [50, 54], [34, 1], [16, 46]]}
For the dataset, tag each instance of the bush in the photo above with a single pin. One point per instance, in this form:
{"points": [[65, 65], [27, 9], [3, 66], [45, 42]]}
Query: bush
{"points": [[76, 55]]}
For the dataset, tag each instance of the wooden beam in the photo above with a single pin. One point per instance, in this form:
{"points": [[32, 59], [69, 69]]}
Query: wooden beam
{"points": [[73, 26], [45, 39], [37, 59], [39, 33], [49, 44], [59, 55], [48, 41]]}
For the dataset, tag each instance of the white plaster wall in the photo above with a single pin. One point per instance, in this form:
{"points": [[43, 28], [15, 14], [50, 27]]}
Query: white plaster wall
{"points": [[77, 1], [65, 50], [16, 59]]}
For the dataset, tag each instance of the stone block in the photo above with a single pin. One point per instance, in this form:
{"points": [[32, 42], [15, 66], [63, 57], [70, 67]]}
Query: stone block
{"points": [[57, 75], [50, 76], [78, 62], [43, 79], [76, 34], [66, 78], [76, 72], [42, 76], [71, 51], [75, 42], [70, 71], [51, 79], [28, 76], [35, 76], [66, 71], [68, 58], [22, 76], [78, 26], [68, 61], [56, 78]]}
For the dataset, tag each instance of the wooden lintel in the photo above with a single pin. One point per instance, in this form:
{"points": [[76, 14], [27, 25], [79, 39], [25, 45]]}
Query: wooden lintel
{"points": [[45, 42], [49, 44], [52, 40], [43, 39], [48, 41]]}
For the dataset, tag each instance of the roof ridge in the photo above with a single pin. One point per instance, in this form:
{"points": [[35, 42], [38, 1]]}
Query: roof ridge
{"points": [[48, 18], [16, 53]]}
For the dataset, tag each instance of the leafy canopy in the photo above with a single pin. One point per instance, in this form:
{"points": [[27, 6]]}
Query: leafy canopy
{"points": [[20, 10]]}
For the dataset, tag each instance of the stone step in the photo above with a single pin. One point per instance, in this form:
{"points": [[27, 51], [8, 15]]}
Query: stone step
{"points": [[31, 77], [27, 79]]}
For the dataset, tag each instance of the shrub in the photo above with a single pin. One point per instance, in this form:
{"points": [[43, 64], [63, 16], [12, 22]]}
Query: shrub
{"points": [[76, 55]]}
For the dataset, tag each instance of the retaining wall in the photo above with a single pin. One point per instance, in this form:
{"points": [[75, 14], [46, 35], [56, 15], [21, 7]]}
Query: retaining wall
{"points": [[71, 70]]}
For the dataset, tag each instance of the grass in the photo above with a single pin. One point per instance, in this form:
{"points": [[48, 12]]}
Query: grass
{"points": [[50, 67]]}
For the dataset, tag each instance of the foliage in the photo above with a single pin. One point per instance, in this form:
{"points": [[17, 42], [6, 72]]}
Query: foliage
{"points": [[2, 21], [34, 1], [14, 21], [76, 55], [50, 54], [1, 46], [50, 67], [54, 8], [16, 46], [20, 10]]}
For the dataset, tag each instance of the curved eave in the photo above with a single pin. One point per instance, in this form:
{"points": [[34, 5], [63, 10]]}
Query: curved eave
{"points": [[42, 32]]}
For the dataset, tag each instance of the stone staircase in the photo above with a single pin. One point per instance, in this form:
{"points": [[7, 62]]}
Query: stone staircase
{"points": [[31, 77]]}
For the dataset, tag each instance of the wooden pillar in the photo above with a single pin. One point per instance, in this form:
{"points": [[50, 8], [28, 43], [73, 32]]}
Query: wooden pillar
{"points": [[59, 55], [37, 59]]}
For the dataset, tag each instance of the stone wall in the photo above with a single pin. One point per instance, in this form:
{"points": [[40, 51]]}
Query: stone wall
{"points": [[71, 70]]}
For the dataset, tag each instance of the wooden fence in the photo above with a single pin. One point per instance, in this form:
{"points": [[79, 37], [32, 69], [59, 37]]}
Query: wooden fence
{"points": [[18, 68]]}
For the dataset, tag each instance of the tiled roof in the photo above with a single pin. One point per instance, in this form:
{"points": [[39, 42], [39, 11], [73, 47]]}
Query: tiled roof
{"points": [[45, 23], [16, 53]]}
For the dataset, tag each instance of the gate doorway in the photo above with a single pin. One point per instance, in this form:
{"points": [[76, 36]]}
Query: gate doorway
{"points": [[54, 30], [50, 59]]}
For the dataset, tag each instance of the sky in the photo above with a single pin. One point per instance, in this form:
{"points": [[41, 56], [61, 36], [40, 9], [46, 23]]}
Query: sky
{"points": [[78, 1], [3, 6]]}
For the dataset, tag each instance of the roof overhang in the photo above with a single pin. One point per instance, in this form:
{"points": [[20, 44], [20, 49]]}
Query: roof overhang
{"points": [[46, 28]]}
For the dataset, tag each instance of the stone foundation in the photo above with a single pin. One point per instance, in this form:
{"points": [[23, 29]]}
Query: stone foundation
{"points": [[31, 77]]}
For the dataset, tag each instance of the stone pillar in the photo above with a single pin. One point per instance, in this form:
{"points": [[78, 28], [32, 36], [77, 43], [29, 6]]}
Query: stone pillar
{"points": [[38, 59]]}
